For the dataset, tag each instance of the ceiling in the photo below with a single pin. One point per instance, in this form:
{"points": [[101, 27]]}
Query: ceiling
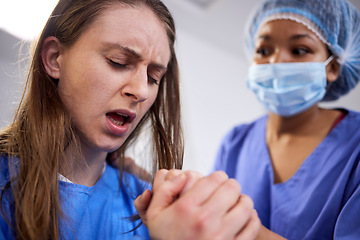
{"points": [[219, 22]]}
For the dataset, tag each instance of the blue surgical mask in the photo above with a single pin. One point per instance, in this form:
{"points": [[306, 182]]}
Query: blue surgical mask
{"points": [[287, 89]]}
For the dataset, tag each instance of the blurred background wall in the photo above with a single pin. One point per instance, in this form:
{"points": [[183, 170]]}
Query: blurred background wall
{"points": [[213, 69]]}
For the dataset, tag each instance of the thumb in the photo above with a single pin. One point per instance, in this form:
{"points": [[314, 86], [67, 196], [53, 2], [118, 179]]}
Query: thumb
{"points": [[142, 203], [165, 194]]}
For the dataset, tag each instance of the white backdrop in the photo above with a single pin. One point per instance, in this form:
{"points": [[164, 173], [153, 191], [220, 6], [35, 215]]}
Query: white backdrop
{"points": [[214, 95]]}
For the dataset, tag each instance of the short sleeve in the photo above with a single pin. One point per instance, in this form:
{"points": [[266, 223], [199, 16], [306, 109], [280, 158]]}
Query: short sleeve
{"points": [[348, 223]]}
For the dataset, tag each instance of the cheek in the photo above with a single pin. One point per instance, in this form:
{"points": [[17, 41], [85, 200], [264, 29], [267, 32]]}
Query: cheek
{"points": [[149, 102], [153, 96], [83, 91]]}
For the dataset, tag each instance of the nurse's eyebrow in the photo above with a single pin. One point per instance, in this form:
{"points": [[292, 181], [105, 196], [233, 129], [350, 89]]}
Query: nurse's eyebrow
{"points": [[133, 53], [264, 37], [300, 36]]}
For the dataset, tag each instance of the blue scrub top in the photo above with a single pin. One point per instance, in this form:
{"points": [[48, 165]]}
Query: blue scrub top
{"points": [[97, 212], [320, 201]]}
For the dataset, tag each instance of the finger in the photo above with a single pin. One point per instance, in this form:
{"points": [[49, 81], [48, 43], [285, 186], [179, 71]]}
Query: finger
{"points": [[172, 173], [205, 187], [142, 203], [165, 194], [238, 216], [192, 177], [252, 228], [220, 205], [159, 178]]}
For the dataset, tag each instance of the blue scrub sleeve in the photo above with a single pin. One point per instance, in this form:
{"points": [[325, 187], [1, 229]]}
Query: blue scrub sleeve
{"points": [[347, 225], [5, 230]]}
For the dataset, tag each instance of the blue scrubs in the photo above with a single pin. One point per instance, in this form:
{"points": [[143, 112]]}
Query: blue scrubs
{"points": [[97, 212], [320, 201]]}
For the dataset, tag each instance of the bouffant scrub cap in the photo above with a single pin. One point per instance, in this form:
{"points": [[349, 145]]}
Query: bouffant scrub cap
{"points": [[335, 22]]}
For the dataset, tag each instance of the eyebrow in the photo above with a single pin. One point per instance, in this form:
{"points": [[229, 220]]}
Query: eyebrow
{"points": [[293, 38], [133, 53], [299, 36]]}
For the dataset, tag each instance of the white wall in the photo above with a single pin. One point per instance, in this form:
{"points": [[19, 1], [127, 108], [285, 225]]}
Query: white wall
{"points": [[214, 98], [214, 95], [11, 78]]}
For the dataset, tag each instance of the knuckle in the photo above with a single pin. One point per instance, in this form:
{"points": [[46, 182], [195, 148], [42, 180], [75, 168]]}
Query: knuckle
{"points": [[233, 185], [184, 207], [172, 174], [248, 202], [201, 222], [161, 172], [193, 175], [218, 177]]}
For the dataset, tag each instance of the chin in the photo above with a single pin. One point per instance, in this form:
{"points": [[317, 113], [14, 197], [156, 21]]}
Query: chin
{"points": [[112, 147]]}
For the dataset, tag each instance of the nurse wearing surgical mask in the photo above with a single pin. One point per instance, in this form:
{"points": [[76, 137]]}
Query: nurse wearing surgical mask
{"points": [[300, 162]]}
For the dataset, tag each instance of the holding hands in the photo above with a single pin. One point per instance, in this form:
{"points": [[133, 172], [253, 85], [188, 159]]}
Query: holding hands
{"points": [[187, 205]]}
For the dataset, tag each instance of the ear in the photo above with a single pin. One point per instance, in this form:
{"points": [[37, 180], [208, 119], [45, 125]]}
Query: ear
{"points": [[332, 71], [50, 56]]}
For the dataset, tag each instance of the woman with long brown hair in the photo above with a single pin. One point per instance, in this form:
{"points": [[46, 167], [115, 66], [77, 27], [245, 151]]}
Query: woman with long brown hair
{"points": [[100, 70]]}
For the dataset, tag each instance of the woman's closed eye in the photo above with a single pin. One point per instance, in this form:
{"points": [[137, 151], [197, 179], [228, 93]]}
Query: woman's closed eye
{"points": [[117, 64], [156, 73], [151, 79]]}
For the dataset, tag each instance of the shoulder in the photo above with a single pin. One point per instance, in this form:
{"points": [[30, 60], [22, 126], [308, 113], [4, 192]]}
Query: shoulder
{"points": [[349, 127], [126, 180], [239, 138], [354, 115], [241, 131], [6, 213], [4, 171]]}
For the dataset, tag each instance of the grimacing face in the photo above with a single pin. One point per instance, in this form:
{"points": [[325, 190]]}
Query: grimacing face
{"points": [[109, 78]]}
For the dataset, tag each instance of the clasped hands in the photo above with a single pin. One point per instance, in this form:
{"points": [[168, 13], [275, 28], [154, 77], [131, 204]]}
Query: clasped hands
{"points": [[187, 205]]}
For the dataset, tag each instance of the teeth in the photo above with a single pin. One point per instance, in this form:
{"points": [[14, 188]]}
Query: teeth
{"points": [[118, 120], [123, 115], [120, 123]]}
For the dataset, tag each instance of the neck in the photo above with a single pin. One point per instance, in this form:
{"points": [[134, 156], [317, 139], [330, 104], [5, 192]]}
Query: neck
{"points": [[83, 166], [306, 123]]}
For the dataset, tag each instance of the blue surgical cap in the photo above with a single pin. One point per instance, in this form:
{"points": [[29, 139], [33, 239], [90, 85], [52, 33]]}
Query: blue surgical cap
{"points": [[335, 22]]}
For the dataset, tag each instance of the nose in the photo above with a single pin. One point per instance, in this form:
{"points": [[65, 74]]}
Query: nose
{"points": [[279, 56], [137, 86]]}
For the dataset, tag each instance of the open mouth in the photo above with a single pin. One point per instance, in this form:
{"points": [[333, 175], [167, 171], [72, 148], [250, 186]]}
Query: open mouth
{"points": [[118, 118]]}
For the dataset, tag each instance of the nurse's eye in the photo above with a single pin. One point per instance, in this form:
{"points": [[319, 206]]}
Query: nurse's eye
{"points": [[262, 51], [300, 51]]}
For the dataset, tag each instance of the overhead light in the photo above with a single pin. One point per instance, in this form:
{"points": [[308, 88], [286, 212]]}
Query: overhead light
{"points": [[23, 18]]}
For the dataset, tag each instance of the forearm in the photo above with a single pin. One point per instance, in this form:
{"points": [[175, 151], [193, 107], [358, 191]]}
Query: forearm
{"points": [[266, 234]]}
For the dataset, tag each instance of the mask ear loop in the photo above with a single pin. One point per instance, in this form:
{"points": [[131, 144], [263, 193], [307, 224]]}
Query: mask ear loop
{"points": [[329, 60], [328, 84]]}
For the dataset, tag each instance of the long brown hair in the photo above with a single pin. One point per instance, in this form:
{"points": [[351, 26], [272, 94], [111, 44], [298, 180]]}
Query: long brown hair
{"points": [[42, 128]]}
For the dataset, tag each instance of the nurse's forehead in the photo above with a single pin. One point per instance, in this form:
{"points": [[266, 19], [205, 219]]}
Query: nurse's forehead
{"points": [[290, 29]]}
